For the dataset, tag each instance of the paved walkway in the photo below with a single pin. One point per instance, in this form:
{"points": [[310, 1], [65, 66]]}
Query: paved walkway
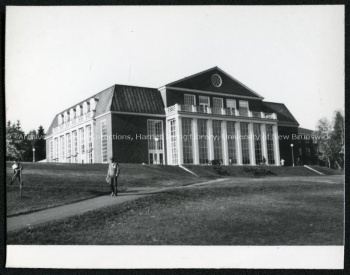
{"points": [[77, 208]]}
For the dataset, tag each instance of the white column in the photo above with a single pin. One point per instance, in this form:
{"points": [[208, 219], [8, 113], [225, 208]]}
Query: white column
{"points": [[168, 143], [210, 139], [251, 143], [195, 149], [276, 144], [224, 142], [238, 142], [263, 142], [179, 139]]}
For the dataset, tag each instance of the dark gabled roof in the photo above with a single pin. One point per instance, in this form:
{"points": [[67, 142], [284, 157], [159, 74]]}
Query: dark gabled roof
{"points": [[304, 131], [284, 116], [202, 81], [137, 100], [122, 98]]}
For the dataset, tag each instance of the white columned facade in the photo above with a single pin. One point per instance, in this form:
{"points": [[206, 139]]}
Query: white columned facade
{"points": [[224, 142], [210, 140], [168, 143], [251, 143], [179, 139], [238, 142], [195, 141], [264, 143], [276, 146]]}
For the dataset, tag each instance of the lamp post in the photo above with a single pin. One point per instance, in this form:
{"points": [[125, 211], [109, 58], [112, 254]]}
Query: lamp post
{"points": [[33, 154], [291, 146]]}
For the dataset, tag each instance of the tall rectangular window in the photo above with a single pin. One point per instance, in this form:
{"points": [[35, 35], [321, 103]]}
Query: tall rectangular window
{"points": [[155, 134], [231, 106], [89, 136], [243, 108], [75, 146], [217, 140], [190, 99], [269, 142], [56, 149], [82, 141], [231, 142], [202, 141], [69, 147], [63, 149], [173, 141], [257, 143], [187, 140], [51, 151], [245, 143], [104, 140], [204, 103], [217, 105]]}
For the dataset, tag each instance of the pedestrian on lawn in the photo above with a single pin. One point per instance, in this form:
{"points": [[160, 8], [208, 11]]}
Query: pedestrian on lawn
{"points": [[17, 172], [112, 176]]}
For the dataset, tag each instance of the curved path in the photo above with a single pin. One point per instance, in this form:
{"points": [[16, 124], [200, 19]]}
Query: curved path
{"points": [[77, 208]]}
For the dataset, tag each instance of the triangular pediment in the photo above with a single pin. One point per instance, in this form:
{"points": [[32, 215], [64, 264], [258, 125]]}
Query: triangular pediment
{"points": [[214, 80]]}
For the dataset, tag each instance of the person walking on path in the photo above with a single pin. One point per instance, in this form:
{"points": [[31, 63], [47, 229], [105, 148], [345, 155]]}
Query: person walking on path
{"points": [[112, 176], [17, 173]]}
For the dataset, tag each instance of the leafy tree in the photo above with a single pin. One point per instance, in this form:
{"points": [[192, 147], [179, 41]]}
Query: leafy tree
{"points": [[331, 143], [338, 137], [14, 141]]}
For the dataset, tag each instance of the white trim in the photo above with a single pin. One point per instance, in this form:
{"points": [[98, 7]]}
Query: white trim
{"points": [[190, 76], [195, 147], [179, 140], [264, 142], [276, 145], [136, 114], [210, 140], [238, 142], [104, 120], [213, 93], [239, 82], [228, 118], [251, 143], [224, 142], [156, 150]]}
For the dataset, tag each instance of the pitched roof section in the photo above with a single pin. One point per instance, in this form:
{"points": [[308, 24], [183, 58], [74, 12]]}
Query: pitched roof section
{"points": [[103, 105], [122, 98], [137, 100], [284, 116], [203, 81]]}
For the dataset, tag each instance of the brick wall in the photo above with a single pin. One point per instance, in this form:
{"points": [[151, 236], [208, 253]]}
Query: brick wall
{"points": [[128, 147]]}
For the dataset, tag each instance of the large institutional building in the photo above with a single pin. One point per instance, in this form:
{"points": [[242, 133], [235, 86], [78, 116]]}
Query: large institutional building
{"points": [[209, 116]]}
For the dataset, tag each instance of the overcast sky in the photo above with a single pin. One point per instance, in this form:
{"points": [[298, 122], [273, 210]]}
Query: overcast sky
{"points": [[58, 56]]}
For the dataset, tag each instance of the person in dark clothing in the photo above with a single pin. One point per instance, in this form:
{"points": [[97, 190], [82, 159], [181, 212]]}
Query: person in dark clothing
{"points": [[112, 176], [17, 172]]}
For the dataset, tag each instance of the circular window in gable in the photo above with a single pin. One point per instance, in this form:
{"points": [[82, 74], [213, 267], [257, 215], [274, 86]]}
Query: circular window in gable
{"points": [[216, 80]]}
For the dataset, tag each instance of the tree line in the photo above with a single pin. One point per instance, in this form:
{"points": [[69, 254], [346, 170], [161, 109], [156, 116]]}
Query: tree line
{"points": [[332, 149], [20, 145]]}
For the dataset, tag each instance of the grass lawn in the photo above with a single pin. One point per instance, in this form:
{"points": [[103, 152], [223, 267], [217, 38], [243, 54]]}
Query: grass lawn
{"points": [[52, 184], [269, 211]]}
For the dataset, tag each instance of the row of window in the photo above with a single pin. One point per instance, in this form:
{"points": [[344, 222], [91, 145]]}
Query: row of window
{"points": [[66, 148], [203, 145], [78, 111], [218, 103]]}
